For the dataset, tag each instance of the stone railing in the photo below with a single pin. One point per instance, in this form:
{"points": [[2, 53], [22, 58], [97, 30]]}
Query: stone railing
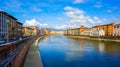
{"points": [[13, 54]]}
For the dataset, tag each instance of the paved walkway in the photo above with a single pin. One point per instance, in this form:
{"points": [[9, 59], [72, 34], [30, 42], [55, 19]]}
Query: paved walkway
{"points": [[33, 58]]}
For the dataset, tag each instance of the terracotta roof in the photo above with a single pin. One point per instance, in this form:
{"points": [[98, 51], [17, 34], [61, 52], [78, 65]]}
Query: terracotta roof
{"points": [[103, 25]]}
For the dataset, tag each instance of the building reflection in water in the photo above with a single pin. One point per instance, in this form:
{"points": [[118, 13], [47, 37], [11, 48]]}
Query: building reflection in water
{"points": [[109, 48], [113, 49], [74, 52], [82, 44], [101, 47]]}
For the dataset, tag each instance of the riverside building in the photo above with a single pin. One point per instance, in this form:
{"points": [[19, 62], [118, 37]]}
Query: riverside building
{"points": [[116, 30], [6, 26], [86, 32], [103, 30], [19, 29], [10, 28], [82, 28], [3, 25], [27, 31]]}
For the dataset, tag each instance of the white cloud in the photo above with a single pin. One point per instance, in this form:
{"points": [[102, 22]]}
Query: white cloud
{"points": [[78, 1], [78, 17], [71, 10], [34, 22], [95, 20], [60, 27]]}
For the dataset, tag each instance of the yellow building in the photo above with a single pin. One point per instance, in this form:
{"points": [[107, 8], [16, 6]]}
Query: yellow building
{"points": [[47, 32], [65, 32], [108, 28], [86, 32], [70, 31], [76, 31], [82, 28], [28, 31]]}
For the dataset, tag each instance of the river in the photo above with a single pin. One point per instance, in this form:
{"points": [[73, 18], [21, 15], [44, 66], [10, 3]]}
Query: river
{"points": [[61, 51]]}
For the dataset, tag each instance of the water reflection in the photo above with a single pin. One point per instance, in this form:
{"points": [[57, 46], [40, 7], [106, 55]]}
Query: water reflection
{"points": [[112, 48], [101, 47], [73, 51], [60, 51]]}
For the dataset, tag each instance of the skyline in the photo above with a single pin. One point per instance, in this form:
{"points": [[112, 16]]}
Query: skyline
{"points": [[61, 14]]}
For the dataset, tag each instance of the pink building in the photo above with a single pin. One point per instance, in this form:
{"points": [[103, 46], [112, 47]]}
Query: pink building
{"points": [[116, 30]]}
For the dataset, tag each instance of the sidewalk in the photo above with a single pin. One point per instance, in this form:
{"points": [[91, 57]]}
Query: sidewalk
{"points": [[33, 58]]}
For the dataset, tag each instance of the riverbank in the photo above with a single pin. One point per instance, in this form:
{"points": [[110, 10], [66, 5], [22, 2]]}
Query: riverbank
{"points": [[87, 37], [33, 58]]}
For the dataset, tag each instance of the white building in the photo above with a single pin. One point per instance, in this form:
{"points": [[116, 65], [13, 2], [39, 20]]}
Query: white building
{"points": [[97, 33], [101, 33], [116, 30]]}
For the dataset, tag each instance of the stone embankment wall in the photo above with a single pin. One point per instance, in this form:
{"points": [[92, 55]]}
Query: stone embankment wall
{"points": [[106, 38]]}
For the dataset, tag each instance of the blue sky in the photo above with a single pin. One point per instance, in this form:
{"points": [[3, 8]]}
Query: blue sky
{"points": [[63, 13]]}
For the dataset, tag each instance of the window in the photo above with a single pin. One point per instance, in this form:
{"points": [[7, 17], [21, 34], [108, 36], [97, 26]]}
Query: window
{"points": [[117, 26]]}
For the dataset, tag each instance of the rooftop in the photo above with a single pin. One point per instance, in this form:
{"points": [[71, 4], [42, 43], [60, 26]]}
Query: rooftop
{"points": [[103, 24], [20, 23], [1, 11]]}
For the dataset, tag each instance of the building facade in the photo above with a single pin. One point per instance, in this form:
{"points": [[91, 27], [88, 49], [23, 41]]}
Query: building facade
{"points": [[36, 31], [12, 28], [19, 29], [28, 31], [97, 31], [116, 30], [82, 28], [3, 25], [47, 32], [108, 28], [75, 31], [86, 32], [8, 28], [65, 32], [70, 32]]}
